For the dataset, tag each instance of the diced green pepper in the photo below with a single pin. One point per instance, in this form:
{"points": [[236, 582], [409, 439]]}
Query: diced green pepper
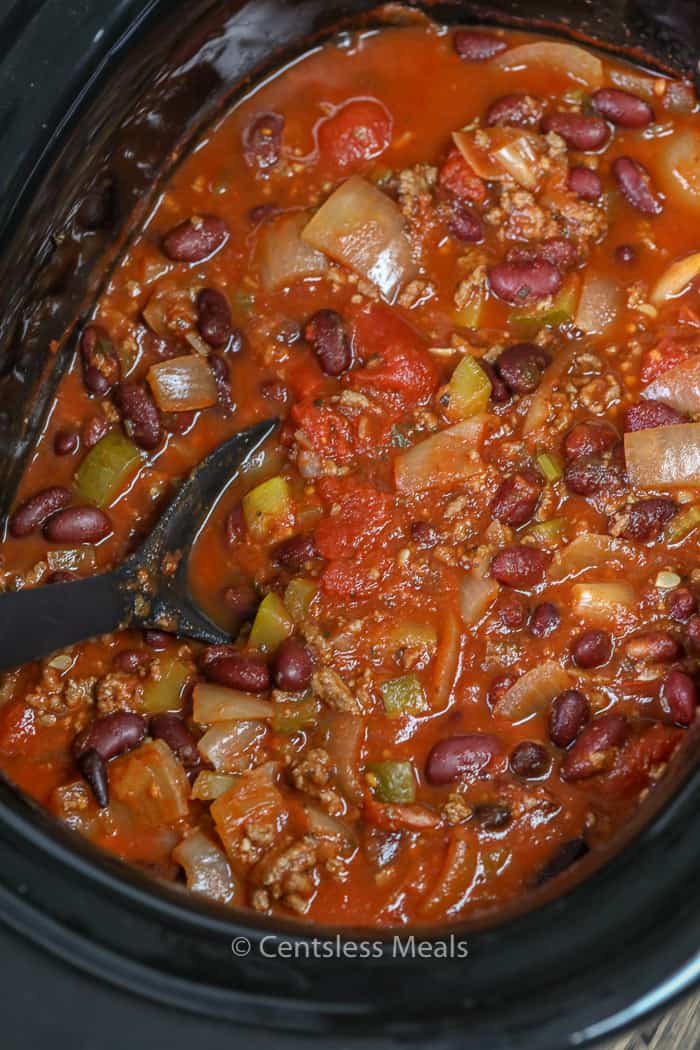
{"points": [[242, 304], [164, 694], [470, 314], [272, 624], [106, 469], [560, 312], [267, 505], [551, 465], [547, 533], [403, 696], [413, 635], [392, 781], [468, 390], [681, 526], [298, 596], [209, 785], [292, 715]]}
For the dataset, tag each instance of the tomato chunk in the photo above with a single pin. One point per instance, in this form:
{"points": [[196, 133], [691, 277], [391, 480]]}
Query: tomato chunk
{"points": [[661, 358], [458, 178], [17, 727], [357, 132], [398, 366], [361, 514]]}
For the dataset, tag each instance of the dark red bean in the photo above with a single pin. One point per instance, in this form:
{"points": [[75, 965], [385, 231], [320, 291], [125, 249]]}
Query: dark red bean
{"points": [[130, 660], [459, 756], [517, 497], [111, 735], [500, 393], [294, 553], [213, 317], [512, 613], [530, 760], [499, 687], [636, 186], [492, 815], [195, 239], [325, 332], [681, 604], [262, 140], [293, 666], [234, 525], [222, 379], [649, 414], [592, 648], [78, 525], [61, 576], [101, 366], [569, 713], [478, 47], [590, 438], [646, 518], [592, 474], [621, 108], [94, 771], [625, 253], [544, 620], [521, 367], [139, 413], [563, 858], [423, 534], [159, 641], [239, 672], [679, 697], [178, 422], [653, 647], [242, 602], [558, 251], [93, 430], [465, 225], [579, 131], [32, 514], [521, 284], [516, 110], [65, 442], [522, 567], [595, 748], [171, 729], [693, 632], [585, 183]]}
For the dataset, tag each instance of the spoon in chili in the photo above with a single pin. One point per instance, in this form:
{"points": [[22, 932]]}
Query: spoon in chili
{"points": [[149, 590]]}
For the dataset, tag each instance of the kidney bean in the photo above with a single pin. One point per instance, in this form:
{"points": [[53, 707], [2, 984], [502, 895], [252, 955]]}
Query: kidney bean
{"points": [[521, 284], [178, 422], [681, 604], [294, 553], [653, 647], [465, 225], [111, 735], [625, 253], [31, 514], [499, 687], [140, 414], [594, 749], [530, 760], [423, 534], [93, 430], [592, 648], [591, 474], [293, 666], [521, 367], [239, 672], [492, 815], [569, 713], [649, 414], [562, 859], [517, 497], [647, 517], [262, 140], [636, 186], [94, 771], [101, 366], [242, 602], [585, 183], [130, 660], [579, 131], [516, 110], [512, 613], [589, 438], [679, 697], [500, 393], [172, 730], [555, 250], [223, 382], [195, 239], [78, 525], [213, 317], [544, 620], [326, 334], [157, 640], [522, 567], [622, 108], [693, 632], [65, 442], [458, 756], [478, 47], [61, 576]]}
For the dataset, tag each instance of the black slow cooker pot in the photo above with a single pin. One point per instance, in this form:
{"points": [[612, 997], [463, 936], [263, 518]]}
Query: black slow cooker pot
{"points": [[97, 99]]}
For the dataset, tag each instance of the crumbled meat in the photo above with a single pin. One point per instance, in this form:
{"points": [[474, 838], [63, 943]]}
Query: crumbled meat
{"points": [[118, 692], [312, 774], [474, 284], [456, 810], [288, 875], [329, 687], [55, 698], [416, 192]]}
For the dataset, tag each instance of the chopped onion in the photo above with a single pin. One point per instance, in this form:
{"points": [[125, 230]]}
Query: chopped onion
{"points": [[447, 658], [457, 877], [541, 404], [678, 167], [209, 785], [580, 65], [153, 783], [509, 152], [344, 734], [518, 158], [216, 703], [320, 823], [679, 387], [603, 602], [362, 228], [443, 459], [598, 305], [170, 310], [182, 384], [532, 692], [664, 458], [479, 159], [585, 552], [284, 257], [676, 279], [230, 746], [206, 867], [477, 593], [680, 97], [628, 79]]}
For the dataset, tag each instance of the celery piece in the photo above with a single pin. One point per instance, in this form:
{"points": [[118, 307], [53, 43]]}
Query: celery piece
{"points": [[267, 505], [298, 596], [560, 312], [546, 533], [106, 468], [468, 390], [413, 635], [292, 715], [210, 785], [272, 624], [550, 465], [392, 781], [164, 693], [470, 314], [681, 526], [403, 696]]}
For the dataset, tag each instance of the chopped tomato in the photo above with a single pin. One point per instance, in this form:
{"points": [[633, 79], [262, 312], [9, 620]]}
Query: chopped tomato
{"points": [[458, 178], [346, 581], [334, 436], [361, 514], [357, 132], [17, 727], [641, 759], [397, 363], [661, 358], [304, 377]]}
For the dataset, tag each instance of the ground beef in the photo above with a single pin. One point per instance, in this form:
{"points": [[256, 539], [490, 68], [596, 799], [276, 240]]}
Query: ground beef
{"points": [[329, 687], [312, 774], [55, 698], [118, 692]]}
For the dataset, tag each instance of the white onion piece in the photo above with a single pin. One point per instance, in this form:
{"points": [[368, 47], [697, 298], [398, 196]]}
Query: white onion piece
{"points": [[599, 304], [519, 159], [541, 404], [603, 603], [362, 228], [664, 458], [532, 692], [582, 66], [585, 552], [345, 734], [628, 79], [676, 279], [284, 257], [447, 658], [480, 160], [679, 387], [229, 746], [153, 783], [206, 867], [477, 593], [320, 823], [182, 384], [678, 167], [443, 459], [509, 152], [216, 703], [209, 785]]}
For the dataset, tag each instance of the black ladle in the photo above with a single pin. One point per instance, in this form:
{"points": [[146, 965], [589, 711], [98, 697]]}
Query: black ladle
{"points": [[40, 620]]}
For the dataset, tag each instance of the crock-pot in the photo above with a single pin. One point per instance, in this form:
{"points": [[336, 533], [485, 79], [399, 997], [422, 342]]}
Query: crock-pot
{"points": [[98, 98]]}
